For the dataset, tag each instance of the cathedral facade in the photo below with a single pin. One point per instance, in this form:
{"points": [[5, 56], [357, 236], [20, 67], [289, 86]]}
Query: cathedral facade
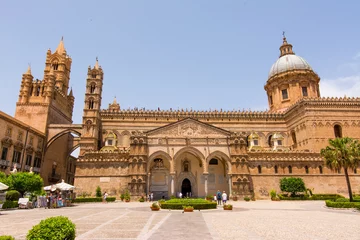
{"points": [[195, 153]]}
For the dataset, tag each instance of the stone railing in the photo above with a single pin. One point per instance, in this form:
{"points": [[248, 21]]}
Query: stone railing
{"points": [[4, 163]]}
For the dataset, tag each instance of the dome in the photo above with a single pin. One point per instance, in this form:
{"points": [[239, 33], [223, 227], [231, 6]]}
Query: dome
{"points": [[289, 62]]}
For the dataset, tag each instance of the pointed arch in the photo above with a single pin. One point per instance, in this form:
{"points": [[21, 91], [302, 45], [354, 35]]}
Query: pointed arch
{"points": [[222, 157], [60, 134], [194, 151], [158, 154]]}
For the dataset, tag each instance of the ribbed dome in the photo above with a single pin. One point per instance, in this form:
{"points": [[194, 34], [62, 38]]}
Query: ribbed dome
{"points": [[288, 62]]}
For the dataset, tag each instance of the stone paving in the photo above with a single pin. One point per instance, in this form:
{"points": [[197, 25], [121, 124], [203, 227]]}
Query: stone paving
{"points": [[249, 220]]}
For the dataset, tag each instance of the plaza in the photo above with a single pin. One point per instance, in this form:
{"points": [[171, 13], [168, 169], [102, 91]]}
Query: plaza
{"points": [[260, 220]]}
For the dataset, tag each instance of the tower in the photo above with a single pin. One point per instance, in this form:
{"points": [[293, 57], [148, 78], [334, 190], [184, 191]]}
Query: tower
{"points": [[290, 79], [91, 138], [46, 101]]}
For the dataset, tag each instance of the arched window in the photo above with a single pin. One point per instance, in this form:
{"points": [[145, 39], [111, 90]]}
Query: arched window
{"points": [[31, 90], [337, 131], [91, 104], [213, 162], [306, 169], [55, 66], [320, 170], [259, 169], [290, 169], [355, 171], [93, 75], [38, 91], [270, 142], [92, 88], [276, 169]]}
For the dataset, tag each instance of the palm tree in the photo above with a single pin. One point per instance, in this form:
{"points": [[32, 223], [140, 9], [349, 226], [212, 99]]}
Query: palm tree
{"points": [[342, 153]]}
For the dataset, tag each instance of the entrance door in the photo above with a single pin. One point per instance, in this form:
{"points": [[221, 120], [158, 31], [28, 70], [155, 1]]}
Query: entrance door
{"points": [[186, 188]]}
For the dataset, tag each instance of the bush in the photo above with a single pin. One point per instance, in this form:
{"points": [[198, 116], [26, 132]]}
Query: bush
{"points": [[342, 200], [209, 197], [142, 199], [196, 203], [330, 203], [292, 185], [97, 199], [298, 197], [325, 196], [12, 195], [53, 228], [98, 191], [273, 194], [155, 205], [10, 204], [247, 199], [127, 195], [6, 238]]}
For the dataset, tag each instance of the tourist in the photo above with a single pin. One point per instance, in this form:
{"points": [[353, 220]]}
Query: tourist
{"points": [[215, 198], [180, 195], [104, 197], [218, 196], [224, 197], [151, 196]]}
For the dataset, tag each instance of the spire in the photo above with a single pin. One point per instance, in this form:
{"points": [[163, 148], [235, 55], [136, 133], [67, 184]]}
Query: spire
{"points": [[61, 49], [285, 48], [97, 63], [114, 102], [28, 70], [71, 93]]}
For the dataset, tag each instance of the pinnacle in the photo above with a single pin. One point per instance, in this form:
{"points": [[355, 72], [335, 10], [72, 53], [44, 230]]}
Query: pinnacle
{"points": [[61, 49], [28, 70]]}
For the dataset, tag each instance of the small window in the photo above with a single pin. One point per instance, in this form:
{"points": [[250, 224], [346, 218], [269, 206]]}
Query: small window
{"points": [[93, 75], [92, 88], [279, 142], [276, 169], [293, 136], [256, 142], [304, 91], [306, 169], [337, 131], [110, 142], [320, 170], [355, 171], [290, 169], [213, 162], [271, 100], [55, 66], [284, 93], [28, 160], [37, 162], [91, 104], [270, 143], [4, 153], [259, 169]]}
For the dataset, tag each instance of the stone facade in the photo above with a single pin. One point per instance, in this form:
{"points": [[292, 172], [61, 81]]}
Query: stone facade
{"points": [[195, 153]]}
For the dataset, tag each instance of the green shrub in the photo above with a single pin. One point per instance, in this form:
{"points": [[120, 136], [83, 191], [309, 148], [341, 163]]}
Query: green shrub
{"points": [[292, 185], [330, 203], [6, 238], [325, 196], [12, 195], [172, 197], [342, 200], [298, 197], [127, 195], [178, 203], [53, 228], [10, 204], [142, 199], [155, 205], [247, 199], [273, 194], [98, 191], [122, 196], [97, 199]]}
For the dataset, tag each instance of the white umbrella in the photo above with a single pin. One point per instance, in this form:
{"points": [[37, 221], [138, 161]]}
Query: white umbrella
{"points": [[50, 188], [3, 186], [64, 186]]}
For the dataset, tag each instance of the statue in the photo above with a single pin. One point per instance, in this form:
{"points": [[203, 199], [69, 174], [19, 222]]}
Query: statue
{"points": [[31, 170], [14, 169]]}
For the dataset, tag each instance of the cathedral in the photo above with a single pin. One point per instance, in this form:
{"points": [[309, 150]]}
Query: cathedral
{"points": [[195, 153]]}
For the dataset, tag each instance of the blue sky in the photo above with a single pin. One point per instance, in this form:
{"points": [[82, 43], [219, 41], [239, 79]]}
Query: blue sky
{"points": [[180, 54]]}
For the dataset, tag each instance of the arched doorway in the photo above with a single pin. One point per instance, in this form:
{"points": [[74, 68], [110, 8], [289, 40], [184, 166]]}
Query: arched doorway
{"points": [[186, 188]]}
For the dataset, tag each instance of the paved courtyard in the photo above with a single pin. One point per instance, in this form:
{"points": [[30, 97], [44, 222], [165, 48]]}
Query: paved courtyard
{"points": [[248, 220]]}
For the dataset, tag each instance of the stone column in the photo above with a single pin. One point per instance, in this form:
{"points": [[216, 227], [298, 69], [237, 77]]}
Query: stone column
{"points": [[230, 186], [206, 184], [172, 184], [148, 184]]}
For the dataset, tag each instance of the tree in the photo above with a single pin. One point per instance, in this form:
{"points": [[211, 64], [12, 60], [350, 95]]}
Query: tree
{"points": [[292, 185], [342, 153], [98, 191], [25, 182], [3, 178]]}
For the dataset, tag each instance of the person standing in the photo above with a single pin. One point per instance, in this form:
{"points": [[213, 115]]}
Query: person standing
{"points": [[218, 197], [224, 197], [104, 197], [151, 196]]}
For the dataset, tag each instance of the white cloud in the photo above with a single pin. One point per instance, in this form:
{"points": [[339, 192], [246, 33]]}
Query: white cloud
{"points": [[339, 87], [357, 56]]}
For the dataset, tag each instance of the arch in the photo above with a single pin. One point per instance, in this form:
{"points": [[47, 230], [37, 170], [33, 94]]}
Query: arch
{"points": [[337, 130], [259, 169], [290, 169], [193, 151], [61, 134], [158, 154], [222, 157], [306, 169], [320, 169]]}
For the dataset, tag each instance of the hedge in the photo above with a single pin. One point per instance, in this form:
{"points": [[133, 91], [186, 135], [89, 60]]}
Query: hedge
{"points": [[96, 199], [196, 203], [313, 197], [10, 204], [53, 228], [6, 238], [333, 204]]}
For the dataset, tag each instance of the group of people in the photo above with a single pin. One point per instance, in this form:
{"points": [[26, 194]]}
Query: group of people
{"points": [[150, 196], [220, 197]]}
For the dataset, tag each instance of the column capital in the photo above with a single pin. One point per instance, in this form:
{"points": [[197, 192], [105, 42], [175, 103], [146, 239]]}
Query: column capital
{"points": [[172, 174], [205, 173]]}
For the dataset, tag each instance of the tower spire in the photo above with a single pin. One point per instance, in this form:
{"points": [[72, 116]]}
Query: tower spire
{"points": [[97, 63], [285, 48], [28, 70], [61, 49]]}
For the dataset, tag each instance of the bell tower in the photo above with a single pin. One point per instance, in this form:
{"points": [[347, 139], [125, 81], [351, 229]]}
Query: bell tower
{"points": [[91, 138]]}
